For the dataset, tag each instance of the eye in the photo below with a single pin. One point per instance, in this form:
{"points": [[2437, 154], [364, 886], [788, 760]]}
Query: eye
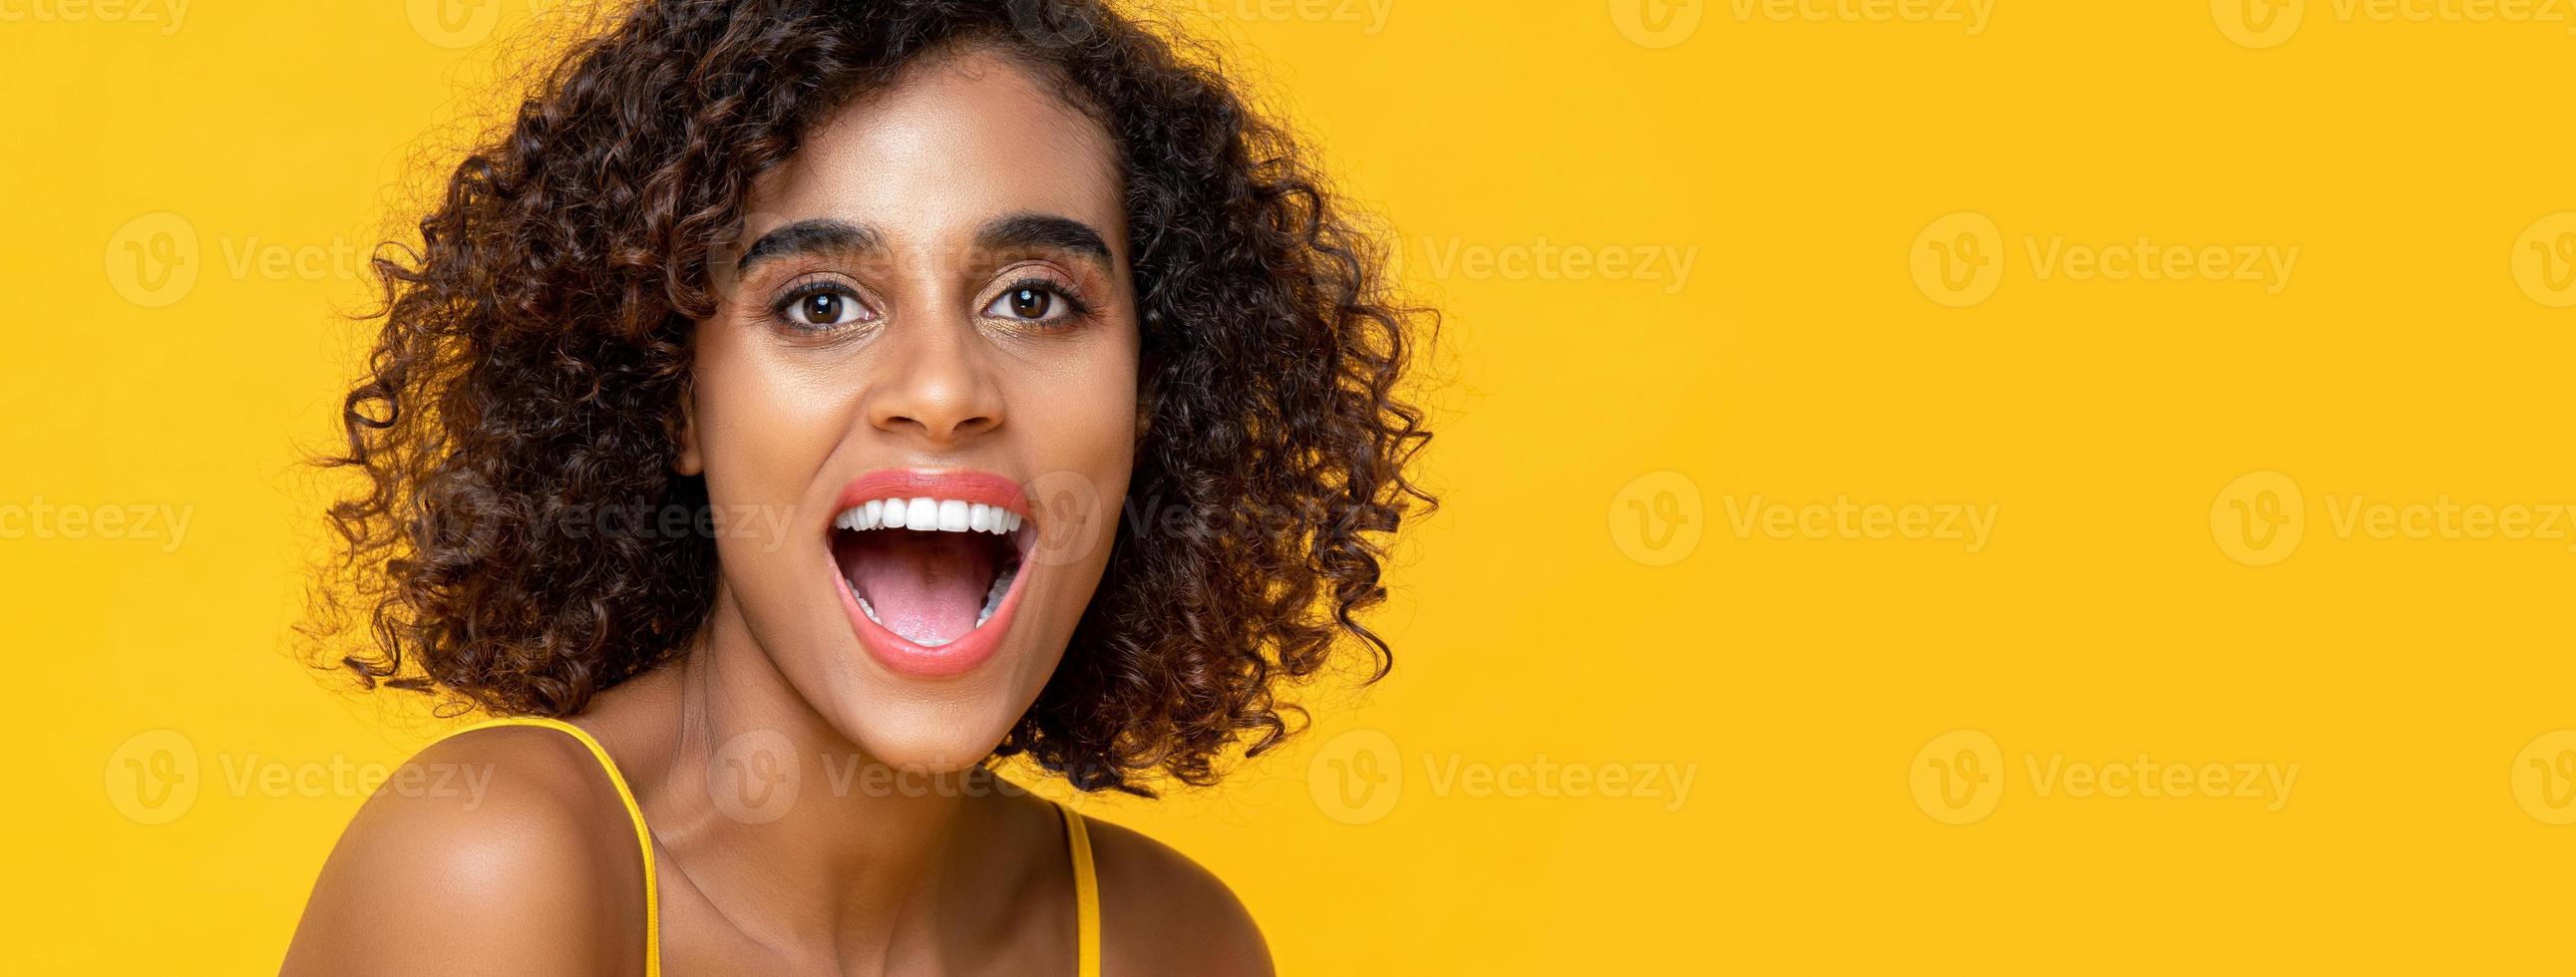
{"points": [[1037, 302], [1030, 303], [822, 305]]}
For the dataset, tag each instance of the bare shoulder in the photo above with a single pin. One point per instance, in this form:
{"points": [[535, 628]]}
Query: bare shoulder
{"points": [[1163, 913], [500, 851]]}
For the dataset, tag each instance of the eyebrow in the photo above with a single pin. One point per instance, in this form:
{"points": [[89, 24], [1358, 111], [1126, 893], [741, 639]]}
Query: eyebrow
{"points": [[812, 236], [824, 235], [1042, 231]]}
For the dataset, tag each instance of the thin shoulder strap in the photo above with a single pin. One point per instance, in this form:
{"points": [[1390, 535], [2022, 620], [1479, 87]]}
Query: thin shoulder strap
{"points": [[643, 837], [1086, 897]]}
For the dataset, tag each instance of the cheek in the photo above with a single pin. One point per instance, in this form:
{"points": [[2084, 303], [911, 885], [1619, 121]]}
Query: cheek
{"points": [[763, 428], [1093, 418], [1078, 422]]}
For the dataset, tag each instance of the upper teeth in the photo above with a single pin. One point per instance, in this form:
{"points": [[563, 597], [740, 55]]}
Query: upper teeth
{"points": [[942, 515]]}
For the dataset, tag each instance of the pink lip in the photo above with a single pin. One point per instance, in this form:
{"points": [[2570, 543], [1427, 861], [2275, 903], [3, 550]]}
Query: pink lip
{"points": [[973, 648], [894, 483]]}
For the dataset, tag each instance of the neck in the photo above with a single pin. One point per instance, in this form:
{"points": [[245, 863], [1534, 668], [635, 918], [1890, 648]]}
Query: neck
{"points": [[787, 827]]}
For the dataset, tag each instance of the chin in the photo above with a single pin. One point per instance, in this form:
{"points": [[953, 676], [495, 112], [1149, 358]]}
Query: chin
{"points": [[927, 737]]}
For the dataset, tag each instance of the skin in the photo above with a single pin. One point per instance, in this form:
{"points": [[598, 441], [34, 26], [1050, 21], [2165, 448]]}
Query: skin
{"points": [[939, 368]]}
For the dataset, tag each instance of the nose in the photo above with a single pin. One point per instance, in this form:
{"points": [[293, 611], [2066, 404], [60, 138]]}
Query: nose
{"points": [[933, 386]]}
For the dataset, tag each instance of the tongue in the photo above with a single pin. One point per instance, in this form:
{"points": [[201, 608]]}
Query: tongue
{"points": [[925, 586]]}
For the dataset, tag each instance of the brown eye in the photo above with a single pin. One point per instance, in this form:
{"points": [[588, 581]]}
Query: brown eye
{"points": [[1030, 303], [1033, 303], [822, 306]]}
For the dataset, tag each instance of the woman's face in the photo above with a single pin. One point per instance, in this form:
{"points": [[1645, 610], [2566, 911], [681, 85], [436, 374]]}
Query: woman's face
{"points": [[926, 324]]}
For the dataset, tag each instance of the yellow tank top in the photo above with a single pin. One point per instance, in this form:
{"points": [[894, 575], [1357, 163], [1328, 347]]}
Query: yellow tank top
{"points": [[1086, 885]]}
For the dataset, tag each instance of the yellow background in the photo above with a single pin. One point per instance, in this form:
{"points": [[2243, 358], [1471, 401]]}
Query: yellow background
{"points": [[1590, 596]]}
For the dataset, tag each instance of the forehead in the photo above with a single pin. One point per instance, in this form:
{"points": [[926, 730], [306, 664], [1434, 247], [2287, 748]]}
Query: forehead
{"points": [[952, 144]]}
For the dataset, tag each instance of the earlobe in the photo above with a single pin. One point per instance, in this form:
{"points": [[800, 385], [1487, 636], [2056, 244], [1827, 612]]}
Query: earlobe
{"points": [[688, 462]]}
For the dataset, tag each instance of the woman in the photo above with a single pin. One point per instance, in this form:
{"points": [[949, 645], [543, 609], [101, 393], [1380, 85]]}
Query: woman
{"points": [[803, 404]]}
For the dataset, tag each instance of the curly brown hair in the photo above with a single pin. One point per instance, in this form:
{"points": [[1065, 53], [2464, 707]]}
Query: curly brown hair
{"points": [[534, 354]]}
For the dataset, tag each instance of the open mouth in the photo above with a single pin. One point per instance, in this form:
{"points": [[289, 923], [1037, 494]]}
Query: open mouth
{"points": [[930, 570], [930, 565]]}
